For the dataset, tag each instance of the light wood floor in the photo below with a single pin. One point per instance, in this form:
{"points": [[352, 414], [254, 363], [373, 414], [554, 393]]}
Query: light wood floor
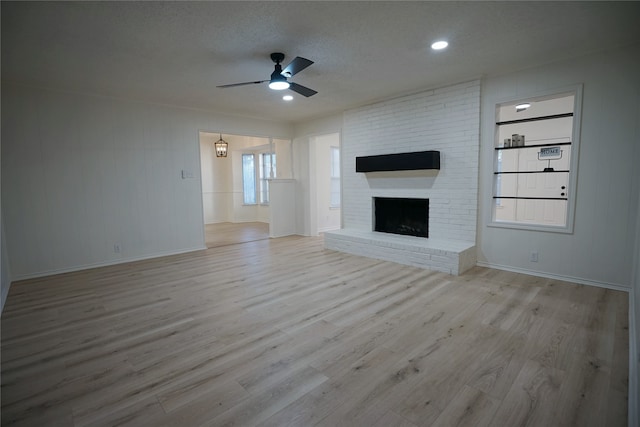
{"points": [[227, 233], [283, 333]]}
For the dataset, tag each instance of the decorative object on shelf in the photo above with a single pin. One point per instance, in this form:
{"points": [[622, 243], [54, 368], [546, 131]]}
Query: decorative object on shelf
{"points": [[549, 153], [221, 147], [507, 143], [517, 140], [532, 145]]}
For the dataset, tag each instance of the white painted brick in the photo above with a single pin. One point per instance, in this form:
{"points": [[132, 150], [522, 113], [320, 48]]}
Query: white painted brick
{"points": [[444, 119]]}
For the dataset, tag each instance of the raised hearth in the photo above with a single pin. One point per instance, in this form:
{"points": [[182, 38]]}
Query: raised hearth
{"points": [[449, 256]]}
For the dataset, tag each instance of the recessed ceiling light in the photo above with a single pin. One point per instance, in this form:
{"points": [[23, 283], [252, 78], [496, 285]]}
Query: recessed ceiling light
{"points": [[287, 97], [522, 107], [439, 45]]}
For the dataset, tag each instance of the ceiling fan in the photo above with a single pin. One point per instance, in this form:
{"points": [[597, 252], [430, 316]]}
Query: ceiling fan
{"points": [[279, 76]]}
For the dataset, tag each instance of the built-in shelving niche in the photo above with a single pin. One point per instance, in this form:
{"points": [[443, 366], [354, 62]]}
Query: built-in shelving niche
{"points": [[532, 177]]}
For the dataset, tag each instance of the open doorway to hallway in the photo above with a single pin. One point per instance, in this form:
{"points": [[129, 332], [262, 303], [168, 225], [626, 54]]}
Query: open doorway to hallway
{"points": [[325, 171], [235, 188]]}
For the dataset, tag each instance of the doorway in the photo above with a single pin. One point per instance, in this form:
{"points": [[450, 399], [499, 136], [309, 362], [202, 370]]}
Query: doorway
{"points": [[324, 174], [235, 188]]}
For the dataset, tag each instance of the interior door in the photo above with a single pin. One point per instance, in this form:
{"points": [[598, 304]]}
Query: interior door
{"points": [[542, 187]]}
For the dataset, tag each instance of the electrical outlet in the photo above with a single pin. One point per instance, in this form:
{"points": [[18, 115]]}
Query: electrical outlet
{"points": [[534, 256], [116, 248]]}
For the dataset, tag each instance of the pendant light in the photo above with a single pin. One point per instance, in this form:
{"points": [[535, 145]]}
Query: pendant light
{"points": [[221, 147]]}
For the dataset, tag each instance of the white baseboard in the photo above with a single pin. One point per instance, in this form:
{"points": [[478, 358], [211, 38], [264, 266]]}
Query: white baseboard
{"points": [[103, 264], [564, 278], [634, 395], [325, 229]]}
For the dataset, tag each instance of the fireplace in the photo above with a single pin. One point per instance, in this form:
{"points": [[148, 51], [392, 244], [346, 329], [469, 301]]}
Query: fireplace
{"points": [[401, 216]]}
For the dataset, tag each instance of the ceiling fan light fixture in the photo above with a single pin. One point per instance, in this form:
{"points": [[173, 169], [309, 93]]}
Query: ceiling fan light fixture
{"points": [[278, 81], [288, 98], [278, 84]]}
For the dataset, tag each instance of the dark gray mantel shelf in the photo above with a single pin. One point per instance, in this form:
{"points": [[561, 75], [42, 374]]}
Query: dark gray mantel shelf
{"points": [[417, 160]]}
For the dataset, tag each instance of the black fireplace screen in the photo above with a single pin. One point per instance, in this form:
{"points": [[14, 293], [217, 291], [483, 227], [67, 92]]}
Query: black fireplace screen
{"points": [[401, 216]]}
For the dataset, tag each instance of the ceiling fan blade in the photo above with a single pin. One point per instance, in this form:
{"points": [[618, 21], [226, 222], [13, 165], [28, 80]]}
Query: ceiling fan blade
{"points": [[298, 64], [302, 90], [244, 84]]}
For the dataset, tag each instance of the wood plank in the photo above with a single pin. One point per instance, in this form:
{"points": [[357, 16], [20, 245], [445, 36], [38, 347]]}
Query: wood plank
{"points": [[533, 398], [261, 406], [470, 407], [391, 419]]}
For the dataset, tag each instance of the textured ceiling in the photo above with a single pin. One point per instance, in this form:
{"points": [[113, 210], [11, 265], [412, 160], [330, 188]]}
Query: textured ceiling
{"points": [[177, 52]]}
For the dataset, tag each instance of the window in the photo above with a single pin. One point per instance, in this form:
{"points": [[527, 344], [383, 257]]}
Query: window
{"points": [[335, 178], [267, 171], [249, 179], [534, 162]]}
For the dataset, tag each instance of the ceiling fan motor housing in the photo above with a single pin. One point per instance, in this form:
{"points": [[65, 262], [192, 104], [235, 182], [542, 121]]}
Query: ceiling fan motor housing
{"points": [[277, 57], [278, 80], [277, 73]]}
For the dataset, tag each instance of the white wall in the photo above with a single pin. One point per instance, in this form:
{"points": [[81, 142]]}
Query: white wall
{"points": [[601, 248], [303, 132], [282, 220], [83, 173], [446, 120], [284, 158], [5, 274], [327, 218], [634, 327], [634, 310]]}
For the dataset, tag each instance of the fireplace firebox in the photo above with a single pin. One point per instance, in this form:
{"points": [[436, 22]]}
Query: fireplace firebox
{"points": [[401, 216]]}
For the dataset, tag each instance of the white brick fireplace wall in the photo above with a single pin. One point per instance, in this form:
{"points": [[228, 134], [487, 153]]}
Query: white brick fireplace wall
{"points": [[446, 120]]}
